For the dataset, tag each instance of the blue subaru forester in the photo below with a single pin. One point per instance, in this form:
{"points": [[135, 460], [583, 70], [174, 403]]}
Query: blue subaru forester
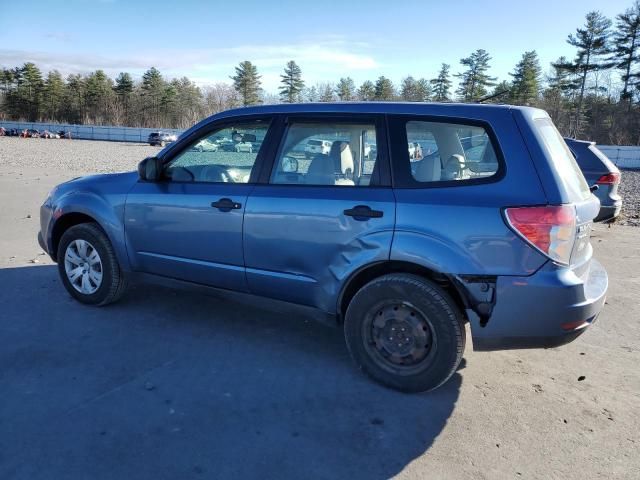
{"points": [[416, 219]]}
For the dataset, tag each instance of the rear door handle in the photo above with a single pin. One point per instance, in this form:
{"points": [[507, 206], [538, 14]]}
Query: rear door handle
{"points": [[226, 205], [363, 212]]}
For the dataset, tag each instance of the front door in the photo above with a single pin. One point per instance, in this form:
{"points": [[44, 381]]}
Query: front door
{"points": [[321, 216], [188, 226]]}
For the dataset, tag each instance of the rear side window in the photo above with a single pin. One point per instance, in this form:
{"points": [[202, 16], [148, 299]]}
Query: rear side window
{"points": [[565, 164], [346, 155], [449, 152]]}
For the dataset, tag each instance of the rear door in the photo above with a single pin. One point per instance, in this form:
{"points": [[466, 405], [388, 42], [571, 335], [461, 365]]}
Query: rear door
{"points": [[312, 222]]}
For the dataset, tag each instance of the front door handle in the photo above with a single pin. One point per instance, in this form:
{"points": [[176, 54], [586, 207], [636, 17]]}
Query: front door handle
{"points": [[363, 212], [226, 205]]}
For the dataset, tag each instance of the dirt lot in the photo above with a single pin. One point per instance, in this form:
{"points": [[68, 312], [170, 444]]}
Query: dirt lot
{"points": [[175, 385]]}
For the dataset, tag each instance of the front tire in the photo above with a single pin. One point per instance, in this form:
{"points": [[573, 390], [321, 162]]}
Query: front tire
{"points": [[88, 266], [405, 332]]}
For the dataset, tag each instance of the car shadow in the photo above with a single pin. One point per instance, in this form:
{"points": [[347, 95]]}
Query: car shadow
{"points": [[172, 384]]}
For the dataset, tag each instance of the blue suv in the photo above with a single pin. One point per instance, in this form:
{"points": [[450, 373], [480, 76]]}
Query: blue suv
{"points": [[485, 220]]}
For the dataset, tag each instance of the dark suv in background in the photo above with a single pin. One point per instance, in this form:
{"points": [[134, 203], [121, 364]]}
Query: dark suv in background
{"points": [[598, 170]]}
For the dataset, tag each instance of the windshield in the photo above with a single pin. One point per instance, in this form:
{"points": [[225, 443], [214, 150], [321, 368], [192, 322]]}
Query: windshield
{"points": [[569, 172]]}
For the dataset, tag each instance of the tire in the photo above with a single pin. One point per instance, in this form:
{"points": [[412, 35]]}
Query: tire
{"points": [[112, 284], [416, 316]]}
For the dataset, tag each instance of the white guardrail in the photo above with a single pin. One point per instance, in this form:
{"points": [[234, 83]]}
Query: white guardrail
{"points": [[622, 156], [93, 132]]}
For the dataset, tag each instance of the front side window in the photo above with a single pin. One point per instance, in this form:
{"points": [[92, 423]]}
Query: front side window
{"points": [[440, 152], [337, 154], [226, 155]]}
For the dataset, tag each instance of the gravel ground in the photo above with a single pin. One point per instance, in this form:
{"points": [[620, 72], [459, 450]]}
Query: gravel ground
{"points": [[71, 156], [630, 192], [168, 384]]}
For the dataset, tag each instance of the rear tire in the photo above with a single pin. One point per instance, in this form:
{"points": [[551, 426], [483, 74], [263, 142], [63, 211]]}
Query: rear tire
{"points": [[405, 332], [88, 266]]}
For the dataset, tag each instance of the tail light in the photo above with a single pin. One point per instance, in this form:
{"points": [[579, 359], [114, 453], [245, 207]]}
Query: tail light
{"points": [[550, 229], [612, 178]]}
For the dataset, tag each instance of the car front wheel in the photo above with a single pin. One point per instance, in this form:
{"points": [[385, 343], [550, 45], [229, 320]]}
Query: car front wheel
{"points": [[88, 266], [405, 332]]}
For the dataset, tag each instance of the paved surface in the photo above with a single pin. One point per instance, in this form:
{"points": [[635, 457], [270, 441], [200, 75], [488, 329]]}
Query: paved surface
{"points": [[175, 385]]}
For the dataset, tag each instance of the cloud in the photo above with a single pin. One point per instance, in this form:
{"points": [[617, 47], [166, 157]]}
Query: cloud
{"points": [[59, 36], [319, 59]]}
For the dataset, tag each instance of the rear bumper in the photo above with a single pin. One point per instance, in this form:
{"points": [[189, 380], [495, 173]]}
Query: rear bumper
{"points": [[608, 212], [548, 309]]}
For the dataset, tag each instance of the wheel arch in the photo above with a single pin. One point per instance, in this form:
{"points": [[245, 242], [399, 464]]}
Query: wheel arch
{"points": [[372, 271], [64, 223]]}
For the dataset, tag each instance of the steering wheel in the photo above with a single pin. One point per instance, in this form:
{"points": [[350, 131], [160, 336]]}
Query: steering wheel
{"points": [[216, 174]]}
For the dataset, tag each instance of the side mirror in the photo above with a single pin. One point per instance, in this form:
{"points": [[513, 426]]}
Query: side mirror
{"points": [[150, 169], [289, 165]]}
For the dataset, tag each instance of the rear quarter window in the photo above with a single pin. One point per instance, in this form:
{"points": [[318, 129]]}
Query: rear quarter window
{"points": [[446, 153], [562, 159]]}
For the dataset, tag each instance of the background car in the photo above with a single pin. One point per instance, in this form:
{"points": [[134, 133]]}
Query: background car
{"points": [[600, 171], [244, 147], [206, 145], [48, 134], [30, 133], [161, 138], [316, 146]]}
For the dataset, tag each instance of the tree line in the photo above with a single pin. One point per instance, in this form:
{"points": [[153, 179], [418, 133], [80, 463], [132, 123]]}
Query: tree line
{"points": [[595, 95]]}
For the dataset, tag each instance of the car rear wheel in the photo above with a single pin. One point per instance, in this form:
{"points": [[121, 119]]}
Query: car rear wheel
{"points": [[405, 332], [88, 266]]}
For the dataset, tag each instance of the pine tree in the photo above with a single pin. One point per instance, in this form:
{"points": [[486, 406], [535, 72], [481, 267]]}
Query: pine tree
{"points": [[74, 99], [412, 90], [384, 89], [525, 88], [442, 84], [367, 91], [311, 94], [53, 95], [124, 90], [25, 100], [557, 98], [153, 86], [408, 89], [346, 89], [247, 83], [626, 48], [188, 103], [292, 83], [423, 90], [99, 90], [592, 43], [474, 80], [326, 92]]}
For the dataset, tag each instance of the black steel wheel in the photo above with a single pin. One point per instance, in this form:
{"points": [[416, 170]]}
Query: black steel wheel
{"points": [[405, 332]]}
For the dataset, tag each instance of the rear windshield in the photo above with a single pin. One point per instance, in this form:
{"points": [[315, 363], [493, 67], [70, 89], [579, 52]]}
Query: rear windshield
{"points": [[569, 172]]}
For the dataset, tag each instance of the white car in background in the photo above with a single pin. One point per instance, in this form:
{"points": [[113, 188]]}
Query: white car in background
{"points": [[206, 145], [244, 147], [315, 146]]}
